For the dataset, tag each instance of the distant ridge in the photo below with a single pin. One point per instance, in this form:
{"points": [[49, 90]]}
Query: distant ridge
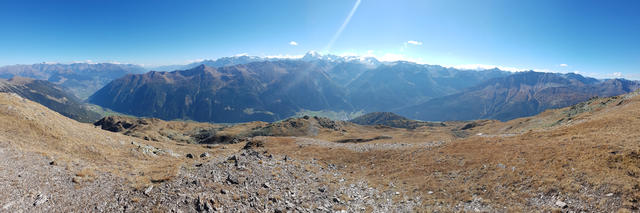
{"points": [[81, 79], [49, 95], [274, 89], [265, 91], [518, 95]]}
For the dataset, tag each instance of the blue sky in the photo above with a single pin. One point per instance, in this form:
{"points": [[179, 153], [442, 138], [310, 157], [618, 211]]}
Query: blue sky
{"points": [[596, 38]]}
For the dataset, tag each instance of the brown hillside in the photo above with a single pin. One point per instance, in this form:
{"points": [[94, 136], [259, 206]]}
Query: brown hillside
{"points": [[591, 163], [31, 127], [581, 158]]}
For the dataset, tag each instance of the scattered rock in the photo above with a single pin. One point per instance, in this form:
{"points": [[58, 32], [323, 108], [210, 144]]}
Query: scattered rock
{"points": [[40, 199], [233, 159], [6, 206], [322, 189], [609, 195], [232, 179], [337, 200], [252, 144], [561, 204], [204, 155], [300, 185], [147, 191], [202, 205]]}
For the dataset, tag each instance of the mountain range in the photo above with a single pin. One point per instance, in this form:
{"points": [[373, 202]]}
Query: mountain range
{"points": [[256, 91], [249, 88], [50, 95], [81, 79], [272, 90], [518, 95], [565, 159]]}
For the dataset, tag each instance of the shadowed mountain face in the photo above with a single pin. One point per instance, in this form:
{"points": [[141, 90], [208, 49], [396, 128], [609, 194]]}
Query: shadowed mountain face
{"points": [[377, 118], [81, 79], [265, 91], [371, 85], [392, 120], [396, 85], [49, 95], [518, 95], [273, 90], [53, 148], [221, 62]]}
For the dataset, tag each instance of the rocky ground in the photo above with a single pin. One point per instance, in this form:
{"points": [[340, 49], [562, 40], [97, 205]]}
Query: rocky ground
{"points": [[34, 183], [254, 180], [566, 160], [250, 180]]}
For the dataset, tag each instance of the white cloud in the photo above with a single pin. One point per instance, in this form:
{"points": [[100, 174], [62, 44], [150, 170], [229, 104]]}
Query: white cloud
{"points": [[503, 68], [241, 54], [284, 56], [293, 43], [84, 62], [486, 67], [600, 75], [195, 60], [384, 57], [617, 74], [564, 65], [414, 42]]}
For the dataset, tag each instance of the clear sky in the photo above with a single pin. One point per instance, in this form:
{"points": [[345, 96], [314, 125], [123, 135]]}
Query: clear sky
{"points": [[596, 38]]}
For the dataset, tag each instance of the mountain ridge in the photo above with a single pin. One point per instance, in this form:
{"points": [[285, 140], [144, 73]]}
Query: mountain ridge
{"points": [[274, 90], [50, 95], [519, 95], [82, 79], [244, 92]]}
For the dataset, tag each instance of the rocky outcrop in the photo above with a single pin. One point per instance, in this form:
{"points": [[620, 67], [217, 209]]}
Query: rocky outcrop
{"points": [[391, 120], [205, 133]]}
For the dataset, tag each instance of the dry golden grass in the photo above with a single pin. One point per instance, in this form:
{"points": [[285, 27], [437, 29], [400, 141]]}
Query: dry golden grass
{"points": [[591, 154], [34, 128], [596, 154]]}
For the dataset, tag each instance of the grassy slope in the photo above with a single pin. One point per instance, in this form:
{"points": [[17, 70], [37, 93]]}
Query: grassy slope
{"points": [[32, 127], [581, 162], [521, 165]]}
